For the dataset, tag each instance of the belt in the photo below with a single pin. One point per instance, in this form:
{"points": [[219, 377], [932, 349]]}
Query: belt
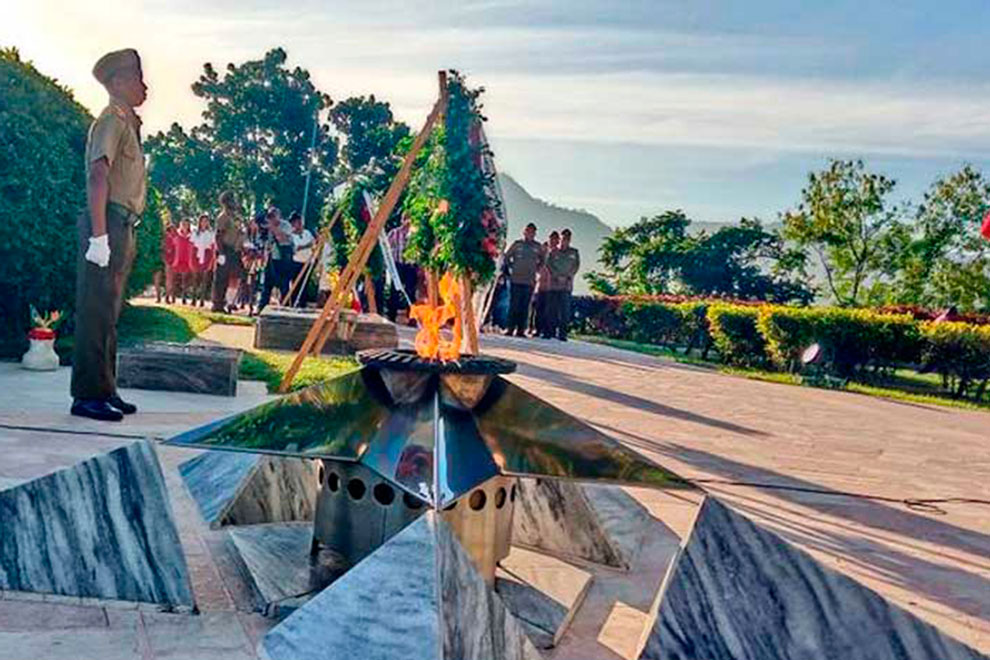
{"points": [[128, 216]]}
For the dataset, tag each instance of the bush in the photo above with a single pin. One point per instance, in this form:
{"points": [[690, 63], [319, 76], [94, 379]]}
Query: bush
{"points": [[148, 236], [735, 334], [960, 353], [594, 315], [854, 338], [42, 191]]}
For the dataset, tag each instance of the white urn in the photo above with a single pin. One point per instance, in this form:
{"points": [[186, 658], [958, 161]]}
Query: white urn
{"points": [[41, 355]]}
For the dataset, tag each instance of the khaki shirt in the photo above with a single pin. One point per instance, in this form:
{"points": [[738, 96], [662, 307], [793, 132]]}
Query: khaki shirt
{"points": [[229, 231], [563, 265], [114, 136], [524, 260]]}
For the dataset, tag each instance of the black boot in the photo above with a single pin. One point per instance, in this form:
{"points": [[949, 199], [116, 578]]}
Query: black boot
{"points": [[97, 409]]}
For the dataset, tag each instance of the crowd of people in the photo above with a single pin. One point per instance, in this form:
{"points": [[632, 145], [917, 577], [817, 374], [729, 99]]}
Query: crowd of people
{"points": [[232, 264], [533, 293]]}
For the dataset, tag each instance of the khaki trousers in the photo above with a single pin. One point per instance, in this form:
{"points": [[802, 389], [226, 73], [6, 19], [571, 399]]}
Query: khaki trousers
{"points": [[99, 297]]}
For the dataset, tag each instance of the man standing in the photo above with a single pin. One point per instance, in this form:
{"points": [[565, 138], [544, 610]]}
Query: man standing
{"points": [[523, 260], [563, 265], [229, 242], [115, 187], [279, 249], [302, 252]]}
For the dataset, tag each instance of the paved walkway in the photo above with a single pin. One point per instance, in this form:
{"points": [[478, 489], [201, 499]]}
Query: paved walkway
{"points": [[700, 424], [705, 425]]}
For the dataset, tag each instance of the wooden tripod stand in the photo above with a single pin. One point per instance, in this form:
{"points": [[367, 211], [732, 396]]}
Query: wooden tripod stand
{"points": [[326, 322]]}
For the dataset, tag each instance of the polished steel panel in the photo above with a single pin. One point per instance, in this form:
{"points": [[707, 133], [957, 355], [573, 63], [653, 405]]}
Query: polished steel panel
{"points": [[464, 459], [335, 419], [528, 436], [402, 448]]}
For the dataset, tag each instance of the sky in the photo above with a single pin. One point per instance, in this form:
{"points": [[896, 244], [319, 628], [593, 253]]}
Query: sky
{"points": [[622, 108]]}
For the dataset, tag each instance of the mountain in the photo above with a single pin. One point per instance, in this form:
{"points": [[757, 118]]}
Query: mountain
{"points": [[587, 230]]}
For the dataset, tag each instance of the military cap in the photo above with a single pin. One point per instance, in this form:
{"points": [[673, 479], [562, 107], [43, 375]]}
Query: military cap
{"points": [[111, 63]]}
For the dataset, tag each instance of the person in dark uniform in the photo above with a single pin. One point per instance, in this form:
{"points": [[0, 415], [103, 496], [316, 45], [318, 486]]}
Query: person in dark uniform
{"points": [[523, 261], [115, 187]]}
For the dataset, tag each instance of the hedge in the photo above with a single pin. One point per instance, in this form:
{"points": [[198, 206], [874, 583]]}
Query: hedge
{"points": [[960, 353], [859, 343], [855, 339], [736, 335]]}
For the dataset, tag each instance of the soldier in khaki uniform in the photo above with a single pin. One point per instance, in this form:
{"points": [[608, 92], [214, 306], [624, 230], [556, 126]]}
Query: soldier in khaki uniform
{"points": [[230, 239], [563, 264], [523, 260], [115, 186]]}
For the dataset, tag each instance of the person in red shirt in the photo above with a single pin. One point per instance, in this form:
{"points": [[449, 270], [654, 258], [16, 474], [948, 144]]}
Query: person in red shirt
{"points": [[182, 262], [168, 255]]}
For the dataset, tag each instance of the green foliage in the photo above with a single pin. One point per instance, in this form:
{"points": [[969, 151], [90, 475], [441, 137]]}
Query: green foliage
{"points": [[943, 260], [657, 255], [186, 171], [255, 139], [271, 368], [350, 227], [467, 238], [846, 220], [853, 338], [372, 139], [148, 236], [960, 353], [42, 192], [735, 333]]}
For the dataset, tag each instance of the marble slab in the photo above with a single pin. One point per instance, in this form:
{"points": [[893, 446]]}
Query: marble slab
{"points": [[542, 593], [556, 517], [284, 328], [279, 565], [383, 608], [737, 591], [179, 368], [417, 597], [100, 529], [233, 488]]}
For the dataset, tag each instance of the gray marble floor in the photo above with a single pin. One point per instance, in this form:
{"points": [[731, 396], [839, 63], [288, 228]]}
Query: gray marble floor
{"points": [[100, 529], [740, 592]]}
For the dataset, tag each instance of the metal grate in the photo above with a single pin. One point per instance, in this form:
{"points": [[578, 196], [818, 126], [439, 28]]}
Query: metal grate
{"points": [[406, 360]]}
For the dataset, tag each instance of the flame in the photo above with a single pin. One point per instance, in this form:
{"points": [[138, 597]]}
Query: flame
{"points": [[430, 342]]}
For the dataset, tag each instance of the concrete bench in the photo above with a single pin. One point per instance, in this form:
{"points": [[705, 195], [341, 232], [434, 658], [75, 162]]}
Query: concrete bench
{"points": [[286, 328], [179, 368]]}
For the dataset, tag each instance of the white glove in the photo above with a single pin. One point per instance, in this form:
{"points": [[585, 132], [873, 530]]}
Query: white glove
{"points": [[221, 259], [99, 251]]}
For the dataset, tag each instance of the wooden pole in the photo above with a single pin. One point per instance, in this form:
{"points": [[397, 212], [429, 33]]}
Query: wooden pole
{"points": [[369, 293], [470, 343], [327, 321]]}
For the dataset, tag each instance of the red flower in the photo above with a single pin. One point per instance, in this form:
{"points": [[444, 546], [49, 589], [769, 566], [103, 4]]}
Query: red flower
{"points": [[985, 229]]}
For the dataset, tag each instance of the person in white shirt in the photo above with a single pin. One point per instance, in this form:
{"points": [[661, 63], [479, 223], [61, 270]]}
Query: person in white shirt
{"points": [[204, 259], [302, 252]]}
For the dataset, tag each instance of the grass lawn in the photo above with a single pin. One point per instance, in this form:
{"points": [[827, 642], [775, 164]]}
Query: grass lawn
{"points": [[145, 323], [906, 385]]}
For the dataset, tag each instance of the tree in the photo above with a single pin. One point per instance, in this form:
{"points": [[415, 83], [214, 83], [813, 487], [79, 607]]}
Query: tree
{"points": [[259, 122], [189, 174], [644, 258], [745, 261], [845, 219], [943, 259], [372, 137], [658, 255], [42, 192]]}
